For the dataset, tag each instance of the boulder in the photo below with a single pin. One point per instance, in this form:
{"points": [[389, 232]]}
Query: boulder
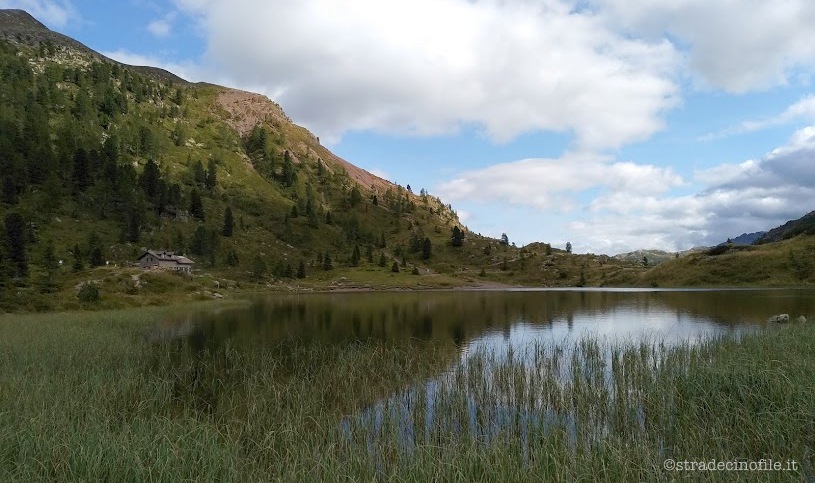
{"points": [[779, 319], [801, 319]]}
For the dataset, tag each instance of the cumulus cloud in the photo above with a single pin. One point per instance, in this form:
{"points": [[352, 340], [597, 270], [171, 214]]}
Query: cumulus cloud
{"points": [[162, 27], [53, 12], [620, 206], [428, 67], [752, 196], [553, 184], [738, 46]]}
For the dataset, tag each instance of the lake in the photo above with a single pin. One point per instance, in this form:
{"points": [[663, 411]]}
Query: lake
{"points": [[453, 325], [398, 373]]}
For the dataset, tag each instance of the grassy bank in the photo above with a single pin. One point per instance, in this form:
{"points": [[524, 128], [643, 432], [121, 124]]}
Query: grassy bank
{"points": [[95, 397]]}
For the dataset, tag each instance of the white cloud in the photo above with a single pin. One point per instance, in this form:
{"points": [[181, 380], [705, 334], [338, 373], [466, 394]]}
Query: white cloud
{"points": [[52, 12], [802, 110], [162, 27], [618, 207], [738, 46], [553, 184], [427, 67]]}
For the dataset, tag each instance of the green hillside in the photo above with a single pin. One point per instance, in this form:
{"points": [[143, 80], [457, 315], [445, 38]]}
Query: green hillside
{"points": [[101, 160], [788, 263]]}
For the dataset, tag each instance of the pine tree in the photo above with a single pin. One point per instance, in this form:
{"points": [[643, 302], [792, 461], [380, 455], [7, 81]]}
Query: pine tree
{"points": [[228, 222], [78, 264], [355, 256], [395, 267], [50, 265], [427, 249], [457, 238], [196, 205], [568, 247], [211, 178], [97, 256], [382, 260], [327, 262], [301, 270], [16, 245]]}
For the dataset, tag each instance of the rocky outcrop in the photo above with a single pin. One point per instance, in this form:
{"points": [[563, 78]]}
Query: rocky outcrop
{"points": [[779, 319]]}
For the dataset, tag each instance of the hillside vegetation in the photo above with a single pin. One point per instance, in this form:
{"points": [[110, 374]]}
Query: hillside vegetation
{"points": [[101, 160]]}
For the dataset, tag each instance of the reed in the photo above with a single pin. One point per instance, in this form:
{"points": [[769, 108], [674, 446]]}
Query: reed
{"points": [[91, 397]]}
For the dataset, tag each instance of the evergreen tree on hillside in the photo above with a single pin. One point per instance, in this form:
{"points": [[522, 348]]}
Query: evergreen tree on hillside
{"points": [[355, 256], [81, 178], [211, 179], [78, 264], [149, 179], [228, 222], [16, 245], [457, 238], [95, 251], [568, 247], [196, 205], [427, 249], [288, 176], [50, 266]]}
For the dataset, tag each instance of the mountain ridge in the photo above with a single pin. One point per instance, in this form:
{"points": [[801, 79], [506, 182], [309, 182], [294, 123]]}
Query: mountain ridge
{"points": [[18, 26]]}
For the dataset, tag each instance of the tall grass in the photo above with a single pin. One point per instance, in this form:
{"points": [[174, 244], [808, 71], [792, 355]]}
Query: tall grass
{"points": [[90, 397]]}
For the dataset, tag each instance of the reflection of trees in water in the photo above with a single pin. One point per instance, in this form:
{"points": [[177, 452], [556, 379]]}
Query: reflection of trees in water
{"points": [[300, 335], [461, 316]]}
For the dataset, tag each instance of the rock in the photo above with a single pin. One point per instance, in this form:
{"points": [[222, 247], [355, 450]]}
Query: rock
{"points": [[216, 295], [801, 319], [779, 319]]}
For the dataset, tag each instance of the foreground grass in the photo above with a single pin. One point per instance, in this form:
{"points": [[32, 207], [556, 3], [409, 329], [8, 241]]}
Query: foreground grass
{"points": [[95, 397]]}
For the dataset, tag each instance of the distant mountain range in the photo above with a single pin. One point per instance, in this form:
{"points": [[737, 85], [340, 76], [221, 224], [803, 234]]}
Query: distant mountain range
{"points": [[803, 225], [654, 257], [745, 238]]}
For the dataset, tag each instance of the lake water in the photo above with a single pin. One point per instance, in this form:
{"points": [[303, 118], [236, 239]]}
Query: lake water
{"points": [[468, 322], [479, 318], [482, 363]]}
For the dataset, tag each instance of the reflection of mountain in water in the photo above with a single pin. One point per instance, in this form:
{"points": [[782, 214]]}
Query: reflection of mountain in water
{"points": [[300, 335], [460, 316]]}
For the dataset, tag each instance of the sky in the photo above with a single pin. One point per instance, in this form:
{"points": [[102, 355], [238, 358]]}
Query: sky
{"points": [[612, 124]]}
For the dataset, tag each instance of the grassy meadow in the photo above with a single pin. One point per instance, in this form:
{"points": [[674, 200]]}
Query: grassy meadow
{"points": [[98, 397]]}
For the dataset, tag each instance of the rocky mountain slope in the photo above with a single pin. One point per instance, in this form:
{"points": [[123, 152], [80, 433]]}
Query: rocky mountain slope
{"points": [[803, 225]]}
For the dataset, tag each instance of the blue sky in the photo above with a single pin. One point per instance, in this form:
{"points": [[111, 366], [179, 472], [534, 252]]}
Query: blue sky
{"points": [[613, 124]]}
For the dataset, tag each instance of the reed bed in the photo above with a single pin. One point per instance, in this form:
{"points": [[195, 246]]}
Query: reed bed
{"points": [[88, 397]]}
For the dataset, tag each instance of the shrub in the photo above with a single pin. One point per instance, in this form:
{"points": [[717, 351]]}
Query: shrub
{"points": [[88, 293]]}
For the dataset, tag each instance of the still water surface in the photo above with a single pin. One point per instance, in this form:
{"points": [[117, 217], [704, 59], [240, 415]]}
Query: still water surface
{"points": [[494, 318], [487, 363], [469, 322]]}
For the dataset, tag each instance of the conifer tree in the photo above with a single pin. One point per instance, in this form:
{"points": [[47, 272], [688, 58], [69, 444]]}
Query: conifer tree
{"points": [[196, 205], [228, 222]]}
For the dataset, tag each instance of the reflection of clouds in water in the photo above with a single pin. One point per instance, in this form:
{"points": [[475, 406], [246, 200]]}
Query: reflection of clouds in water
{"points": [[624, 323]]}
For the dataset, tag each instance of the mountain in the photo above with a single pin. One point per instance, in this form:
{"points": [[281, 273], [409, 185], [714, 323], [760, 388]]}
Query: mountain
{"points": [[790, 229], [103, 160], [745, 238], [18, 26], [654, 257]]}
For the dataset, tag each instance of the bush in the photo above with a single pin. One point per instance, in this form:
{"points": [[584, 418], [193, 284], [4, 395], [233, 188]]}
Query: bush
{"points": [[88, 293]]}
